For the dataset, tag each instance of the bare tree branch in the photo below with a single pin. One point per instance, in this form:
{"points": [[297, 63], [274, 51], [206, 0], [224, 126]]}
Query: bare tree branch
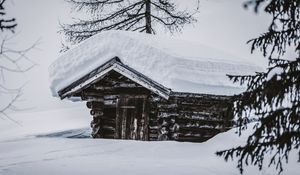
{"points": [[139, 15], [12, 61]]}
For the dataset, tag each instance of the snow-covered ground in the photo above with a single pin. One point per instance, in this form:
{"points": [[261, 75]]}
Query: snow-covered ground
{"points": [[41, 144]]}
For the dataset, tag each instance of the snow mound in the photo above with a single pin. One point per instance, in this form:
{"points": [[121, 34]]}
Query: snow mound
{"points": [[179, 65], [21, 154]]}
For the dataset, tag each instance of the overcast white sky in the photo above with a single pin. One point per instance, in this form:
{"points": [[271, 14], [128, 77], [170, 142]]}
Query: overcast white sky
{"points": [[222, 24]]}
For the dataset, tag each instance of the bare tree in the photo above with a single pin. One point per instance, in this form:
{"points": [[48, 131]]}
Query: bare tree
{"points": [[133, 15], [12, 61]]}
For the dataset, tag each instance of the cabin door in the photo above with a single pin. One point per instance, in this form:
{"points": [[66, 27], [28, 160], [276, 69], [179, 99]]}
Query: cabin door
{"points": [[132, 118]]}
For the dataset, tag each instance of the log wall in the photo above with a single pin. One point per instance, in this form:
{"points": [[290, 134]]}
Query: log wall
{"points": [[191, 117], [183, 117]]}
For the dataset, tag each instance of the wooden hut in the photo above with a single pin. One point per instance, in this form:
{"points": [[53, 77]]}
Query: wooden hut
{"points": [[127, 104]]}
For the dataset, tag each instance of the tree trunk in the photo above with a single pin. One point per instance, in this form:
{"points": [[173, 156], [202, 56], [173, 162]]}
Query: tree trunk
{"points": [[148, 16]]}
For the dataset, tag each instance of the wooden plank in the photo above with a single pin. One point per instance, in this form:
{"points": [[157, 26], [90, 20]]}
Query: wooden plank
{"points": [[118, 118], [119, 90], [146, 118], [127, 107], [116, 85], [134, 121], [124, 118]]}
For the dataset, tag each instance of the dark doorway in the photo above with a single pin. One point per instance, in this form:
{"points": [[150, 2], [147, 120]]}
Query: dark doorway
{"points": [[132, 118]]}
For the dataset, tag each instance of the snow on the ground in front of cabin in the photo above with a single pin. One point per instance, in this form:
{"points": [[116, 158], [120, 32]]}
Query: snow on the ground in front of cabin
{"points": [[180, 65], [21, 153], [33, 123]]}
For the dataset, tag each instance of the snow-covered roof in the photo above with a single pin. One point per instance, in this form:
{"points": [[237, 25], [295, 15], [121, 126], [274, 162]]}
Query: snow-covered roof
{"points": [[179, 65], [116, 65]]}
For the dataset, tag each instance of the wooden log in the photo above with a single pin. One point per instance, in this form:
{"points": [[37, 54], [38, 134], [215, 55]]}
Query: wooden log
{"points": [[111, 123], [108, 119], [167, 115], [192, 139], [96, 129], [198, 129], [194, 95], [95, 104], [200, 122], [92, 98], [96, 112], [199, 115], [108, 127], [110, 106], [116, 85], [167, 106], [111, 96], [87, 93], [153, 139], [89, 105], [117, 90], [197, 109], [153, 135], [108, 136], [153, 131]]}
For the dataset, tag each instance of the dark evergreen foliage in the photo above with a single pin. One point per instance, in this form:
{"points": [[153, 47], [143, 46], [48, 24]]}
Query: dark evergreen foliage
{"points": [[273, 96], [133, 15], [6, 23]]}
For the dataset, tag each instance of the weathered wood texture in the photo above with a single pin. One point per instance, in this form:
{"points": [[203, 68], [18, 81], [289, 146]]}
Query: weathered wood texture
{"points": [[191, 117], [122, 109]]}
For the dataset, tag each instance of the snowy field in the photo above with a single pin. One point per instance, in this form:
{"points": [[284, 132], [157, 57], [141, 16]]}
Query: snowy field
{"points": [[43, 143]]}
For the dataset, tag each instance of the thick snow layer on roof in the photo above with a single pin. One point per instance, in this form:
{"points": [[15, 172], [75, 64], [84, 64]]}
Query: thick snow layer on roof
{"points": [[179, 65]]}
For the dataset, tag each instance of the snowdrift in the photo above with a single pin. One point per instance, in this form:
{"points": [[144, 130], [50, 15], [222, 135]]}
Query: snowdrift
{"points": [[54, 152]]}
